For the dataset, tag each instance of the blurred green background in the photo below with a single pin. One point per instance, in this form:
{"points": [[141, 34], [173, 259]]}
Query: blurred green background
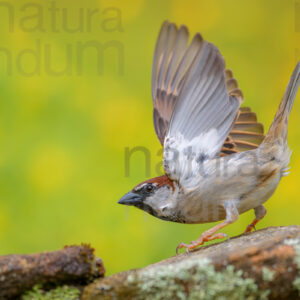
{"points": [[63, 135]]}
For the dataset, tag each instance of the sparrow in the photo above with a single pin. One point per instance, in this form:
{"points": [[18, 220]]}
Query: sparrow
{"points": [[217, 161]]}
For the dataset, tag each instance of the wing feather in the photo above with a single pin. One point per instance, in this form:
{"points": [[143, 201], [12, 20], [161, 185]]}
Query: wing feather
{"points": [[245, 126], [170, 48], [196, 103], [246, 134], [203, 115], [173, 58]]}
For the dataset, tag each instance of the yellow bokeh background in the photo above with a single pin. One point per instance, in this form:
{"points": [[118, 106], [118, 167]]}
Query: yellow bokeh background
{"points": [[63, 137]]}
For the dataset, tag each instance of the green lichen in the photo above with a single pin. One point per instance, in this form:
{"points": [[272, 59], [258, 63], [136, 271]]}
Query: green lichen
{"points": [[194, 279], [59, 293], [267, 274], [296, 244]]}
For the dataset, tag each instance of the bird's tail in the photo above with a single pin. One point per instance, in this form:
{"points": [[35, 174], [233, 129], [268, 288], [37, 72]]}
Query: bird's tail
{"points": [[279, 128]]}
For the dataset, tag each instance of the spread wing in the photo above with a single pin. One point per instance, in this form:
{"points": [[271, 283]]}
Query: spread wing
{"points": [[197, 112], [203, 109]]}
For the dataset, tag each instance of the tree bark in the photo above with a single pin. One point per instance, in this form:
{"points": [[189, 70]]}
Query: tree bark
{"points": [[261, 265], [71, 265]]}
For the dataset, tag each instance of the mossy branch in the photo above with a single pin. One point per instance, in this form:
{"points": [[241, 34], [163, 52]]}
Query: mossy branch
{"points": [[261, 265], [71, 265]]}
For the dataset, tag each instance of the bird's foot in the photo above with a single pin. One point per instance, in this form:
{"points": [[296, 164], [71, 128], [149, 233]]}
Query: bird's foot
{"points": [[251, 226], [203, 238]]}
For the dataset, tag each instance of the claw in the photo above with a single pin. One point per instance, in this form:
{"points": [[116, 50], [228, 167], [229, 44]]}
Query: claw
{"points": [[182, 245], [206, 236], [227, 236], [187, 247], [250, 227], [203, 238]]}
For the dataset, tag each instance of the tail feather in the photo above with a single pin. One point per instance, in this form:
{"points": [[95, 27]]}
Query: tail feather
{"points": [[279, 127]]}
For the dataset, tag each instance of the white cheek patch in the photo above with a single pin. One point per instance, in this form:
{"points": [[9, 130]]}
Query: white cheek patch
{"points": [[159, 198]]}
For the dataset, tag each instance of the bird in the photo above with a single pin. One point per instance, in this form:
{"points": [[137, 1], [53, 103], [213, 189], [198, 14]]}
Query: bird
{"points": [[217, 161]]}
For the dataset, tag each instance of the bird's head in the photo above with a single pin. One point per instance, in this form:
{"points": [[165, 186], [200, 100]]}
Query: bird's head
{"points": [[153, 196]]}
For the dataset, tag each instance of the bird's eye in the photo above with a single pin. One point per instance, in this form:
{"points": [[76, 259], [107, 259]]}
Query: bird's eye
{"points": [[149, 187]]}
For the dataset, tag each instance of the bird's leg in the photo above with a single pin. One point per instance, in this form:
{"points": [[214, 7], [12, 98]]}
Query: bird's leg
{"points": [[209, 235], [260, 212]]}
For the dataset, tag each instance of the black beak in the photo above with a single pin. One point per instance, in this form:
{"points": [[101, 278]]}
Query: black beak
{"points": [[131, 199]]}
